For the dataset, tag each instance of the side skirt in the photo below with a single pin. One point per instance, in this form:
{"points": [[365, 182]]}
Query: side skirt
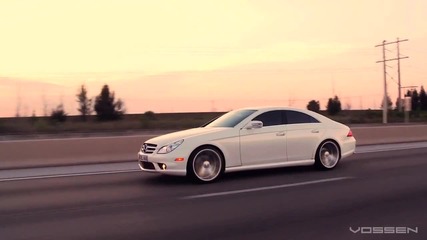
{"points": [[270, 165]]}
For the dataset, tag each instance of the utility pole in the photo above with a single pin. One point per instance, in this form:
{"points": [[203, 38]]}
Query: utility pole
{"points": [[398, 75], [385, 103]]}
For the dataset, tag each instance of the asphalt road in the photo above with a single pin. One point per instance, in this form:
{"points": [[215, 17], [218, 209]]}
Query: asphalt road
{"points": [[382, 189]]}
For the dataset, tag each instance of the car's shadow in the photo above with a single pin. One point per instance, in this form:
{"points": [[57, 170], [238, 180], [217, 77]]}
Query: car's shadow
{"points": [[293, 172], [243, 175], [267, 173], [159, 179]]}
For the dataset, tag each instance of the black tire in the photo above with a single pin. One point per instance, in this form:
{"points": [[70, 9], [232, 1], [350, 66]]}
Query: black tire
{"points": [[206, 164], [328, 155]]}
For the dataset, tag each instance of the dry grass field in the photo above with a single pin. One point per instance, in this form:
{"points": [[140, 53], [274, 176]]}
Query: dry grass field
{"points": [[166, 121]]}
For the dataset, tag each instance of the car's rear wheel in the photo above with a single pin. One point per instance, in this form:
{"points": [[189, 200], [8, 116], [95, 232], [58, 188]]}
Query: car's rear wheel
{"points": [[206, 164], [327, 155]]}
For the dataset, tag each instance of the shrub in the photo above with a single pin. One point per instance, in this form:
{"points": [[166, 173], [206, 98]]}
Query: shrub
{"points": [[58, 114]]}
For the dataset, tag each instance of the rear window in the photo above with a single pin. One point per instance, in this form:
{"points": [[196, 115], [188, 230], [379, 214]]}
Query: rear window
{"points": [[294, 117]]}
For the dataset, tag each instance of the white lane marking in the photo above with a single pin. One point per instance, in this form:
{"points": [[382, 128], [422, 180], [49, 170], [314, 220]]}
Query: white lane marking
{"points": [[66, 175], [207, 195]]}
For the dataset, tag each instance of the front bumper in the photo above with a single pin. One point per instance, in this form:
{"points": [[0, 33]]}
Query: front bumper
{"points": [[154, 163]]}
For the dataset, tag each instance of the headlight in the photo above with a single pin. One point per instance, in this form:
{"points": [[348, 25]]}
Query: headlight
{"points": [[170, 147]]}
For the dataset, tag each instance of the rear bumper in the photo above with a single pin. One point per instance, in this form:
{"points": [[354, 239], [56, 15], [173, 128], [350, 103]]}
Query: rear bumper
{"points": [[348, 147]]}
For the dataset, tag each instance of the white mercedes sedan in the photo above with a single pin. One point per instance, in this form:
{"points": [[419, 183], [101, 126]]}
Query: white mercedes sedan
{"points": [[246, 139]]}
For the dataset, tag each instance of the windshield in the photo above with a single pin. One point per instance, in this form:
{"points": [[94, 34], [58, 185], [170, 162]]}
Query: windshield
{"points": [[230, 119]]}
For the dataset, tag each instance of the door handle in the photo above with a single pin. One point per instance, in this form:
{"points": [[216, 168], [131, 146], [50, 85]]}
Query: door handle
{"points": [[315, 131], [280, 134]]}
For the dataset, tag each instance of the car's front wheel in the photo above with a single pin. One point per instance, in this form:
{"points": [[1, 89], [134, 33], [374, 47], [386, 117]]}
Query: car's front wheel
{"points": [[327, 155], [206, 164]]}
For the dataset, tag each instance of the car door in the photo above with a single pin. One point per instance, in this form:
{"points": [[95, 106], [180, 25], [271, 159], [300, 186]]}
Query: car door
{"points": [[302, 136], [267, 144]]}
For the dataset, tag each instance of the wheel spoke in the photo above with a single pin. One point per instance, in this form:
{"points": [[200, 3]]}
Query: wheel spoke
{"points": [[207, 164], [329, 154]]}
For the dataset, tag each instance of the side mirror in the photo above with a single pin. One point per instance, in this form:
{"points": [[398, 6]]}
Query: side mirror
{"points": [[254, 125]]}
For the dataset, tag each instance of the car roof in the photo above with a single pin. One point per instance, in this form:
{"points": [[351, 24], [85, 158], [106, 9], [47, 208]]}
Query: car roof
{"points": [[318, 116]]}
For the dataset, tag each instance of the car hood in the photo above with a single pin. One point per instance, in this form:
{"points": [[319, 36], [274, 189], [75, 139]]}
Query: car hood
{"points": [[175, 136]]}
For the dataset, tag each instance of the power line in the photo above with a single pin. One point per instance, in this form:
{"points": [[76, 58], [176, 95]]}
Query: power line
{"points": [[392, 78]]}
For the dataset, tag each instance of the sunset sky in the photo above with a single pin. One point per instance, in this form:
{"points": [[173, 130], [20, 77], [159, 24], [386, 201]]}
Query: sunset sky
{"points": [[201, 55]]}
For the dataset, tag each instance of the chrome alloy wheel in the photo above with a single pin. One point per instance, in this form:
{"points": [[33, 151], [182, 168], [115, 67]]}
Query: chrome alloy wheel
{"points": [[329, 154], [207, 164]]}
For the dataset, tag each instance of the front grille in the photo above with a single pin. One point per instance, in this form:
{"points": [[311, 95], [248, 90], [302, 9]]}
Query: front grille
{"points": [[147, 165], [148, 148]]}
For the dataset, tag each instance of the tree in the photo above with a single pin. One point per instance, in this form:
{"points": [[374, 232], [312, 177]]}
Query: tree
{"points": [[33, 118], [85, 103], [58, 114], [314, 106], [119, 107], [334, 106], [150, 115], [106, 107], [423, 99], [147, 118], [18, 107], [415, 100], [389, 103]]}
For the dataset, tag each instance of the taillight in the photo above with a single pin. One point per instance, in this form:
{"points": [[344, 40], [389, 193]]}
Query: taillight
{"points": [[350, 133]]}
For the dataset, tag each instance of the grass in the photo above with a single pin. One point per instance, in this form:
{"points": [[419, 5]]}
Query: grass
{"points": [[130, 122], [167, 121]]}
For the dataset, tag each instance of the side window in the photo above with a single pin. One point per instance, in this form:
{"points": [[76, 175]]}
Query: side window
{"points": [[294, 117], [271, 118]]}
